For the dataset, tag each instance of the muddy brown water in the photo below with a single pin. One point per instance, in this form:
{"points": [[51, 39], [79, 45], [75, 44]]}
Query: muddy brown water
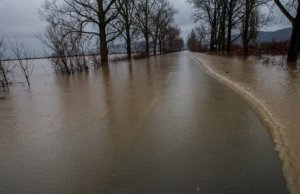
{"points": [[272, 85], [153, 126]]}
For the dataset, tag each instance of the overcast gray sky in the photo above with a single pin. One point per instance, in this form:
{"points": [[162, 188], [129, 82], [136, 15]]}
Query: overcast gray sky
{"points": [[20, 19]]}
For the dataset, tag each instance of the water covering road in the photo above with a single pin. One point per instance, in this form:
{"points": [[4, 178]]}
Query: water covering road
{"points": [[153, 126]]}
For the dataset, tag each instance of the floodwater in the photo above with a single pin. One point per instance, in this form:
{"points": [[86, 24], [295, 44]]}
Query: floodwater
{"points": [[153, 126], [276, 87]]}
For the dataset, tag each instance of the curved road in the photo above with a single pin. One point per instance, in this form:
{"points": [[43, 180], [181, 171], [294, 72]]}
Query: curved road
{"points": [[154, 126]]}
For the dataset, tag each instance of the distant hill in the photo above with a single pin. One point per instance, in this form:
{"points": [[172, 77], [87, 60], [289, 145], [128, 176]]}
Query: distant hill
{"points": [[269, 36], [279, 35]]}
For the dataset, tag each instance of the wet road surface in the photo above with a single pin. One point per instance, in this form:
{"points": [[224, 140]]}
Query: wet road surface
{"points": [[154, 126]]}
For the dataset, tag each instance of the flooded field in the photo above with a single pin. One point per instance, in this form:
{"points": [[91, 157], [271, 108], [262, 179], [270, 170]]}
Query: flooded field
{"points": [[276, 88], [152, 126]]}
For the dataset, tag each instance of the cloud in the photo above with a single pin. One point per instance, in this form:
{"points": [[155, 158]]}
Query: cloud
{"points": [[184, 17]]}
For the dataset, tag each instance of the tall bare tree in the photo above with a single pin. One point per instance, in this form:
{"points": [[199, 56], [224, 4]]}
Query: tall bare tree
{"points": [[143, 20], [68, 49], [162, 16], [192, 41], [249, 24], [291, 10], [196, 39], [90, 17], [208, 11], [233, 12], [24, 63], [223, 16], [126, 17], [172, 42]]}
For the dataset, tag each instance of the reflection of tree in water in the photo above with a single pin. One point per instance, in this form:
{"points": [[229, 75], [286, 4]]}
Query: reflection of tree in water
{"points": [[108, 95]]}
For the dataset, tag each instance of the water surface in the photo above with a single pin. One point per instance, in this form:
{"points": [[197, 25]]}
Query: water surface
{"points": [[153, 126]]}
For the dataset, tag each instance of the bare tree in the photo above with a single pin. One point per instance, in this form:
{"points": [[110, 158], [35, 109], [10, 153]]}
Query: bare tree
{"points": [[5, 69], [67, 49], [162, 16], [196, 39], [55, 40], [201, 35], [90, 17], [24, 64], [233, 12], [172, 41], [223, 16], [291, 10], [143, 11], [192, 41], [208, 11], [126, 18], [249, 24]]}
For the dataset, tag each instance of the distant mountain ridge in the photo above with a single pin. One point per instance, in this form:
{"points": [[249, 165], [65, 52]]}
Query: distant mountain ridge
{"points": [[278, 35], [269, 36]]}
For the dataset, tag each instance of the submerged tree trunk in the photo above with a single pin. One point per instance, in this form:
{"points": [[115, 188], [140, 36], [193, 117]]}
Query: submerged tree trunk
{"points": [[246, 30], [147, 30], [160, 46], [229, 39], [126, 14], [213, 38], [294, 45], [103, 51], [102, 34], [155, 43], [230, 26], [128, 43], [4, 76], [147, 44]]}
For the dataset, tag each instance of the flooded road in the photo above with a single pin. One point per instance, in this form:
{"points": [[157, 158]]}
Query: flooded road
{"points": [[154, 126], [273, 89]]}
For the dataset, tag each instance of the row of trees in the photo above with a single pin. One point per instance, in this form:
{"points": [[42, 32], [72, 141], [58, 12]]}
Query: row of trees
{"points": [[229, 20], [227, 16], [74, 25], [197, 39]]}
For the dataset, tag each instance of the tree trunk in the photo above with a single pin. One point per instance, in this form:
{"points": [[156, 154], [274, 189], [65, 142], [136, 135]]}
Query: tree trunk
{"points": [[155, 40], [154, 47], [294, 45], [102, 34], [212, 42], [295, 41], [245, 37], [146, 33], [223, 28], [229, 38], [147, 44], [160, 46], [65, 62], [128, 42], [246, 27], [213, 32], [4, 75], [213, 37], [230, 25], [103, 50]]}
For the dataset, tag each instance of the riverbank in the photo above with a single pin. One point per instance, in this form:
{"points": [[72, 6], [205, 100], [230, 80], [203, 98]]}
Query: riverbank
{"points": [[274, 93]]}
